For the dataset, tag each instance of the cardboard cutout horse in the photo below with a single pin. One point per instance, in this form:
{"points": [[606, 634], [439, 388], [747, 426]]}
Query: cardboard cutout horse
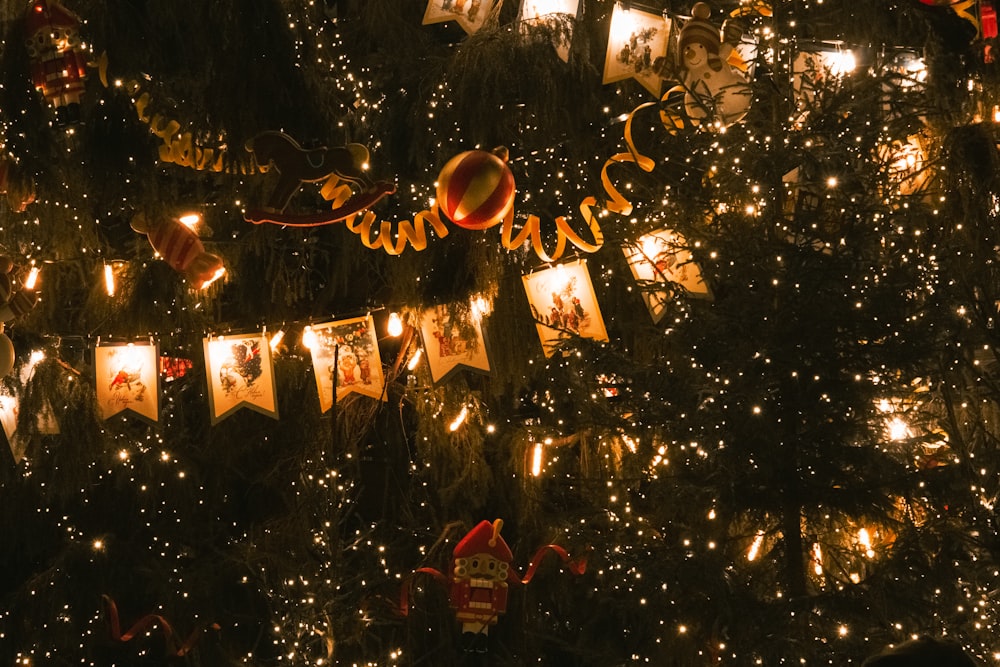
{"points": [[296, 165]]}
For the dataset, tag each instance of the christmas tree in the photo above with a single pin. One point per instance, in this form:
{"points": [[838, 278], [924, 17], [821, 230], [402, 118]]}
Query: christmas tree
{"points": [[558, 333]]}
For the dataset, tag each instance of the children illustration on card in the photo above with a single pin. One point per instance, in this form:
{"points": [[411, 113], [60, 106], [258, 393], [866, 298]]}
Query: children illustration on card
{"points": [[470, 14], [453, 339], [563, 304], [346, 359]]}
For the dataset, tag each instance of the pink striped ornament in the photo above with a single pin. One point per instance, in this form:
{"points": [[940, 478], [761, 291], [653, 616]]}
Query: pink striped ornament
{"points": [[475, 189]]}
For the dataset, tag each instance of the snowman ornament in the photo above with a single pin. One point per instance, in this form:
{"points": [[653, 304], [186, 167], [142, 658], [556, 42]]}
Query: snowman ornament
{"points": [[713, 90]]}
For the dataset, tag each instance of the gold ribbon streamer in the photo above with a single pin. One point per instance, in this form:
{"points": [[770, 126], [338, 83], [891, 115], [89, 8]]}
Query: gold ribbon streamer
{"points": [[180, 148], [406, 232], [176, 147], [618, 203], [962, 10], [414, 233]]}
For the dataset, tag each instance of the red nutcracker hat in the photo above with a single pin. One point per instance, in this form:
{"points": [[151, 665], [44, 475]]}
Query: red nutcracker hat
{"points": [[48, 14], [484, 539]]}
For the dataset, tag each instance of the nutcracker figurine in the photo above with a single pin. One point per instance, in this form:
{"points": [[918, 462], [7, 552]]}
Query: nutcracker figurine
{"points": [[58, 62], [480, 567], [479, 580]]}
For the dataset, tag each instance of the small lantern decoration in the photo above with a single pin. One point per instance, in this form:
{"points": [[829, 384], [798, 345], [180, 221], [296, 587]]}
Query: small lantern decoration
{"points": [[476, 188], [58, 61], [181, 248]]}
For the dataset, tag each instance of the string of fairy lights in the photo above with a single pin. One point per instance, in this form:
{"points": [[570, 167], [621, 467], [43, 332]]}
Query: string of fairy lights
{"points": [[300, 635]]}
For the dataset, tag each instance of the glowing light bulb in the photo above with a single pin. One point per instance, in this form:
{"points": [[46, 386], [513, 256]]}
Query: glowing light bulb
{"points": [[866, 541], [537, 459], [109, 279], [898, 429], [817, 559], [395, 325], [276, 340], [32, 279], [309, 339], [459, 420], [190, 219], [755, 546], [415, 359]]}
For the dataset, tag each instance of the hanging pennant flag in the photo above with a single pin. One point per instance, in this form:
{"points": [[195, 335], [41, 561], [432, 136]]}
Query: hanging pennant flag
{"points": [[470, 14], [127, 380], [636, 40], [563, 304], [239, 374], [661, 262], [346, 359], [8, 419], [453, 341], [552, 15]]}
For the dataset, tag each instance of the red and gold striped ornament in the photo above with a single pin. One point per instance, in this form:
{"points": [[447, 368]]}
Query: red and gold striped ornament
{"points": [[181, 248], [476, 188]]}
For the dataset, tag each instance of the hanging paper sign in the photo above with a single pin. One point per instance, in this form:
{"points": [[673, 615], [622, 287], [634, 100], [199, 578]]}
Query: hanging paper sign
{"points": [[563, 304], [551, 13], [346, 359], [635, 41], [661, 262], [8, 420], [470, 14], [452, 342], [239, 374], [127, 380]]}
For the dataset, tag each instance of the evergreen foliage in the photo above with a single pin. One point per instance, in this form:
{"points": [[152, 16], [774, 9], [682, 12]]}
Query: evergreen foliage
{"points": [[729, 471]]}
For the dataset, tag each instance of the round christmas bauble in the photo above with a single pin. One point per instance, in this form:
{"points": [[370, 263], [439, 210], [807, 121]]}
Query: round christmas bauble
{"points": [[6, 355], [476, 189]]}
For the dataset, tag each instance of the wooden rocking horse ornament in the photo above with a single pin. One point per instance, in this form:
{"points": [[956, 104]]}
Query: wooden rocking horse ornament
{"points": [[296, 165]]}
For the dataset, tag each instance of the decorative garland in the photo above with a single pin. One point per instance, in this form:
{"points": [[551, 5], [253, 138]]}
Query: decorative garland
{"points": [[179, 147]]}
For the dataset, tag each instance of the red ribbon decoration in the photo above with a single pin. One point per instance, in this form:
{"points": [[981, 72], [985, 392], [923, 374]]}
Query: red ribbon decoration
{"points": [[577, 567], [147, 622]]}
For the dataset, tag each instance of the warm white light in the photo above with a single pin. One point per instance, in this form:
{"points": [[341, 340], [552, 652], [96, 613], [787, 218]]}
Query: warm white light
{"points": [[190, 219], [866, 541], [817, 559], [32, 279], [218, 274], [276, 340], [841, 62], [536, 460], [755, 546], [395, 325], [98, 545], [309, 339], [651, 247], [459, 420], [898, 430], [109, 279], [415, 359], [480, 308]]}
